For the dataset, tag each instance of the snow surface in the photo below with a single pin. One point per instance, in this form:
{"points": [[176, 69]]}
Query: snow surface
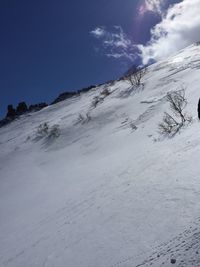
{"points": [[105, 194]]}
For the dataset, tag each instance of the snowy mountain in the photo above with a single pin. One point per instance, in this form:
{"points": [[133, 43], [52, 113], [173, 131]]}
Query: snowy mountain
{"points": [[90, 182]]}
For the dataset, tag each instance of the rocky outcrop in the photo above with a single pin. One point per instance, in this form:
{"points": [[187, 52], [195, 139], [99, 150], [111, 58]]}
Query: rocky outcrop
{"points": [[67, 95], [21, 109], [11, 113], [37, 107], [63, 97]]}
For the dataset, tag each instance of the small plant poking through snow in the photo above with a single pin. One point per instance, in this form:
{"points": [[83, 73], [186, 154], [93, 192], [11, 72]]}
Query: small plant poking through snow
{"points": [[45, 131], [133, 126], [171, 124]]}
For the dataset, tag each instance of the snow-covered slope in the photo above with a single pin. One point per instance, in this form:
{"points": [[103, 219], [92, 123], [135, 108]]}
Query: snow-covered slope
{"points": [[105, 194]]}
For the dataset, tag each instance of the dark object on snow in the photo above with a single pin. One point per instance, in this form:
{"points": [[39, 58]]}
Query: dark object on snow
{"points": [[37, 107], [173, 261], [199, 109], [21, 108], [11, 113]]}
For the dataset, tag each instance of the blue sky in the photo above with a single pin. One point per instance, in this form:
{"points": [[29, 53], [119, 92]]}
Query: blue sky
{"points": [[47, 47]]}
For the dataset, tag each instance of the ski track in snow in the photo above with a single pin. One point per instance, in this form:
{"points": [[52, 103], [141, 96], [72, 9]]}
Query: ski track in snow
{"points": [[184, 248]]}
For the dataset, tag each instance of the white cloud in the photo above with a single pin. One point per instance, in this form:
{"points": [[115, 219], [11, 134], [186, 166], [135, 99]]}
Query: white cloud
{"points": [[180, 26], [98, 32], [115, 44], [155, 5], [151, 5]]}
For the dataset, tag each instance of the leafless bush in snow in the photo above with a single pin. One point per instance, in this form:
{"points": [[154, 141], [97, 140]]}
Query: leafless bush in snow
{"points": [[105, 92], [45, 131], [135, 77], [96, 100], [42, 130], [171, 124], [83, 118], [54, 131], [100, 98]]}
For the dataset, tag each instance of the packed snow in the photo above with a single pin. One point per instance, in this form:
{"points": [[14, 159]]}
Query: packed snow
{"points": [[109, 191]]}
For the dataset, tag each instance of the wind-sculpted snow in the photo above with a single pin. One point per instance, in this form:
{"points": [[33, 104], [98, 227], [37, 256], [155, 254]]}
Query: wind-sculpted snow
{"points": [[108, 191]]}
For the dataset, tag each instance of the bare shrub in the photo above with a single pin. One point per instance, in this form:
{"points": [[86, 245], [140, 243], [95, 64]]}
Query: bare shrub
{"points": [[105, 92], [171, 124], [45, 131], [88, 117], [96, 100], [54, 131], [83, 118], [42, 130], [100, 98], [135, 77], [80, 118]]}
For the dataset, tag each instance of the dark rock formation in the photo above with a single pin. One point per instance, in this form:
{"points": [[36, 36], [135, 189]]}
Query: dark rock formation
{"points": [[63, 97], [21, 108], [67, 95], [37, 107], [11, 113], [86, 89]]}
